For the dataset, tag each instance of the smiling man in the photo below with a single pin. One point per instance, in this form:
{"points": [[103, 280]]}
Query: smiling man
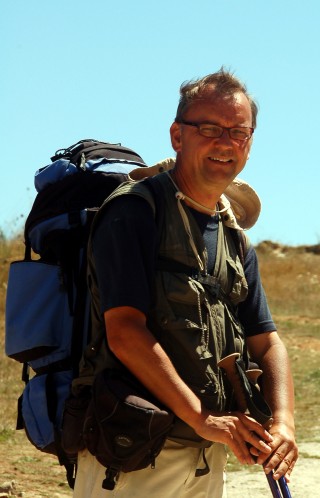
{"points": [[209, 166], [173, 296]]}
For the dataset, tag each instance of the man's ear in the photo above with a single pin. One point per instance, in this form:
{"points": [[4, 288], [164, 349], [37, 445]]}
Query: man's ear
{"points": [[175, 134]]}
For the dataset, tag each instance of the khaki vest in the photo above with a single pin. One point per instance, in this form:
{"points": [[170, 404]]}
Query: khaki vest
{"points": [[194, 315]]}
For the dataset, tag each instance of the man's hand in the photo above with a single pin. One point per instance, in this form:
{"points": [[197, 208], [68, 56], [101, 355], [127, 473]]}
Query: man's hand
{"points": [[277, 386], [284, 452], [239, 432]]}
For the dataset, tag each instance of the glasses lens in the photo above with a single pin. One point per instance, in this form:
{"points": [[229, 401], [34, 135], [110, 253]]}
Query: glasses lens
{"points": [[240, 133], [214, 131], [209, 130]]}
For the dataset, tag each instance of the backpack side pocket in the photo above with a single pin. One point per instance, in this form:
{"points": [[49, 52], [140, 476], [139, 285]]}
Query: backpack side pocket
{"points": [[38, 319], [43, 401]]}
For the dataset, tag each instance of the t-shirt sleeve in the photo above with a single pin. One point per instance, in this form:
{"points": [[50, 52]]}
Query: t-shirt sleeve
{"points": [[124, 245], [254, 312]]}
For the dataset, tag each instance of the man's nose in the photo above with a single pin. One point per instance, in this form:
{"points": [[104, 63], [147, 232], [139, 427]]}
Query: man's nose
{"points": [[225, 138]]}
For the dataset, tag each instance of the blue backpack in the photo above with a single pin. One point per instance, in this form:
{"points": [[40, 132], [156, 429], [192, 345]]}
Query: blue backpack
{"points": [[47, 323], [48, 303]]}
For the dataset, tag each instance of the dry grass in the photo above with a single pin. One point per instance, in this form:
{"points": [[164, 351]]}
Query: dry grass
{"points": [[291, 278]]}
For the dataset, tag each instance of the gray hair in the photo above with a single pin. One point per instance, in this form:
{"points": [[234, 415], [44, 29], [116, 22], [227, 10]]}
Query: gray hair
{"points": [[223, 82]]}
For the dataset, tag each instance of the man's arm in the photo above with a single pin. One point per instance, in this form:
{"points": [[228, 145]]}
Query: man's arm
{"points": [[269, 352], [136, 347]]}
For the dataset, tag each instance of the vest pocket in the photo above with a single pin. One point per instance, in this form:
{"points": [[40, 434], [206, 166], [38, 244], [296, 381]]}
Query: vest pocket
{"points": [[239, 286], [181, 288]]}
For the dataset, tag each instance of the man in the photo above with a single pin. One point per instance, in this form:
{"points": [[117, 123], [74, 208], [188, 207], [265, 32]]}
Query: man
{"points": [[169, 328]]}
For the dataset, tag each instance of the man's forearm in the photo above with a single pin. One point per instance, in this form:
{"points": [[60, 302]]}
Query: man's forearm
{"points": [[277, 384], [136, 347]]}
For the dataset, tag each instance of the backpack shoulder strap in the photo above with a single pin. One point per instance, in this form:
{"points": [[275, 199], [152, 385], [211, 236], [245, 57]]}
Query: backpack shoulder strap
{"points": [[157, 192], [149, 189]]}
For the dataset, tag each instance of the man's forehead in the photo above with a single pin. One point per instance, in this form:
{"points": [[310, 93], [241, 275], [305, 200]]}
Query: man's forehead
{"points": [[236, 102]]}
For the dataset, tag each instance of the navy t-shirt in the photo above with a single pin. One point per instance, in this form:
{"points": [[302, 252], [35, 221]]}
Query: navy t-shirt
{"points": [[125, 253]]}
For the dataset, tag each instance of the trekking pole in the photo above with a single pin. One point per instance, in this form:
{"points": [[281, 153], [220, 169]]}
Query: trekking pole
{"points": [[274, 487], [249, 399], [279, 489], [284, 488]]}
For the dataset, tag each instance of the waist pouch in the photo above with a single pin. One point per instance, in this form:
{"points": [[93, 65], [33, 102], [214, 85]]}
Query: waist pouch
{"points": [[125, 426]]}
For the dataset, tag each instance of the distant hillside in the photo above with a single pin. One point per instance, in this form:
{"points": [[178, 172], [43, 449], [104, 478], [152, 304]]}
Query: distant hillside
{"points": [[276, 248]]}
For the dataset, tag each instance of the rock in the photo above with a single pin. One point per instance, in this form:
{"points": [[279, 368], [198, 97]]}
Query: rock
{"points": [[7, 487]]}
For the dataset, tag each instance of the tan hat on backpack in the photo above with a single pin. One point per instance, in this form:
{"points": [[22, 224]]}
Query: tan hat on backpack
{"points": [[244, 200]]}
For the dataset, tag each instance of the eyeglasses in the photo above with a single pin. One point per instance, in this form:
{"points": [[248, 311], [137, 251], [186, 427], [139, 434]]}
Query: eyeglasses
{"points": [[214, 131]]}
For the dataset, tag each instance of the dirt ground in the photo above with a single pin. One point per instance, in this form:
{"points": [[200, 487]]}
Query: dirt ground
{"points": [[28, 473]]}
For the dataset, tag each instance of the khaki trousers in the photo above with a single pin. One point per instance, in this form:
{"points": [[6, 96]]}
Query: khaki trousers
{"points": [[172, 477]]}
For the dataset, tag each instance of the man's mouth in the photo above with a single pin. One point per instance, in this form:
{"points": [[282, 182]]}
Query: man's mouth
{"points": [[220, 159]]}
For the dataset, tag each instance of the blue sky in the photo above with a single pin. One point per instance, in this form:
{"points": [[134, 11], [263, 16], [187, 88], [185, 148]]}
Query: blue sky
{"points": [[72, 69]]}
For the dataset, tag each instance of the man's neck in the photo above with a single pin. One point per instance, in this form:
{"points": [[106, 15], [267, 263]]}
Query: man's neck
{"points": [[206, 202]]}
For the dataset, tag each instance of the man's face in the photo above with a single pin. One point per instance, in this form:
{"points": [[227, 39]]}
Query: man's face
{"points": [[204, 161]]}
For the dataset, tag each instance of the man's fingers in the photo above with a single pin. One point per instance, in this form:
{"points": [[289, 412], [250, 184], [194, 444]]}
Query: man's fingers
{"points": [[254, 427], [281, 462], [257, 445], [243, 440], [241, 451], [290, 469]]}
